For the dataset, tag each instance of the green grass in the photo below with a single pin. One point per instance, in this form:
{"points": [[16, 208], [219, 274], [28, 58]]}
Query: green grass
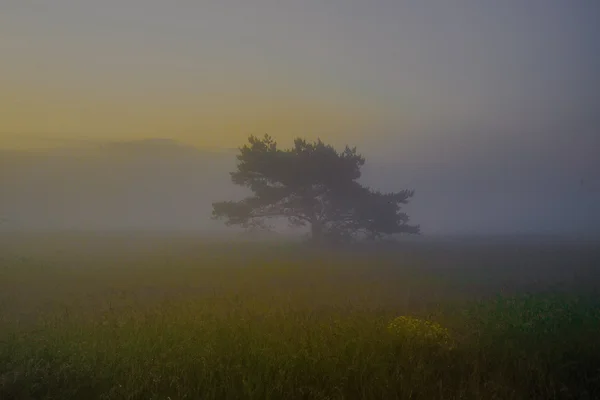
{"points": [[108, 318]]}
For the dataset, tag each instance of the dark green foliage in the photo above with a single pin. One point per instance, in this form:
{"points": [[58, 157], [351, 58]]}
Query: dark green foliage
{"points": [[312, 184], [92, 316], [177, 319]]}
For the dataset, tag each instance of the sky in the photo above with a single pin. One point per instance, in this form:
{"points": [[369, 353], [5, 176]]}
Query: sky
{"points": [[489, 109], [425, 79]]}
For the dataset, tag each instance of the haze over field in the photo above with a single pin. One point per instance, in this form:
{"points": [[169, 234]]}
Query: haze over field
{"points": [[163, 185], [134, 132], [489, 110]]}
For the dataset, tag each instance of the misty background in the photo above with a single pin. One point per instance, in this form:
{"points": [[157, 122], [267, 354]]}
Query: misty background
{"points": [[164, 185], [489, 109]]}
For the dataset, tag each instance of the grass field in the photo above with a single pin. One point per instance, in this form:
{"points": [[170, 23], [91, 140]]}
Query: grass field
{"points": [[177, 317]]}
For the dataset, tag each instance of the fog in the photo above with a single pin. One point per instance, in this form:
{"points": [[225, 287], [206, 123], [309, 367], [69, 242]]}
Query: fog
{"points": [[489, 110], [163, 185]]}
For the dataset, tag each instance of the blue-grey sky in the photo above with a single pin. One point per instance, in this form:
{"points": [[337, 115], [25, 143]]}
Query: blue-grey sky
{"points": [[421, 76]]}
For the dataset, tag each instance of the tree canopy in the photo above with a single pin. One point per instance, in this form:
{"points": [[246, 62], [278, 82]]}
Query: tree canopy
{"points": [[312, 184]]}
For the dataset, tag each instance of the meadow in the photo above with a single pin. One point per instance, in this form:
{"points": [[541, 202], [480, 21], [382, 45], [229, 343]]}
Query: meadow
{"points": [[99, 316]]}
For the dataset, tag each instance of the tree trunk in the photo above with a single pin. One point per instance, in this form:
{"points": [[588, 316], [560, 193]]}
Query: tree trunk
{"points": [[316, 230]]}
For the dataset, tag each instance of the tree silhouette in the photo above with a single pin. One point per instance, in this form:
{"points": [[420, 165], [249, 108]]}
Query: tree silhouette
{"points": [[312, 184]]}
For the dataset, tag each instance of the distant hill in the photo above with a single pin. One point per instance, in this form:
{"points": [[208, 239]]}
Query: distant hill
{"points": [[150, 184]]}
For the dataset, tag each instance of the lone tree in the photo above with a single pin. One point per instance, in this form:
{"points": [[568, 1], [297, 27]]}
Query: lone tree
{"points": [[312, 184]]}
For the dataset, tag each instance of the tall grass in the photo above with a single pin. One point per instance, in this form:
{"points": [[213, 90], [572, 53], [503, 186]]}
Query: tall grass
{"points": [[236, 322]]}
